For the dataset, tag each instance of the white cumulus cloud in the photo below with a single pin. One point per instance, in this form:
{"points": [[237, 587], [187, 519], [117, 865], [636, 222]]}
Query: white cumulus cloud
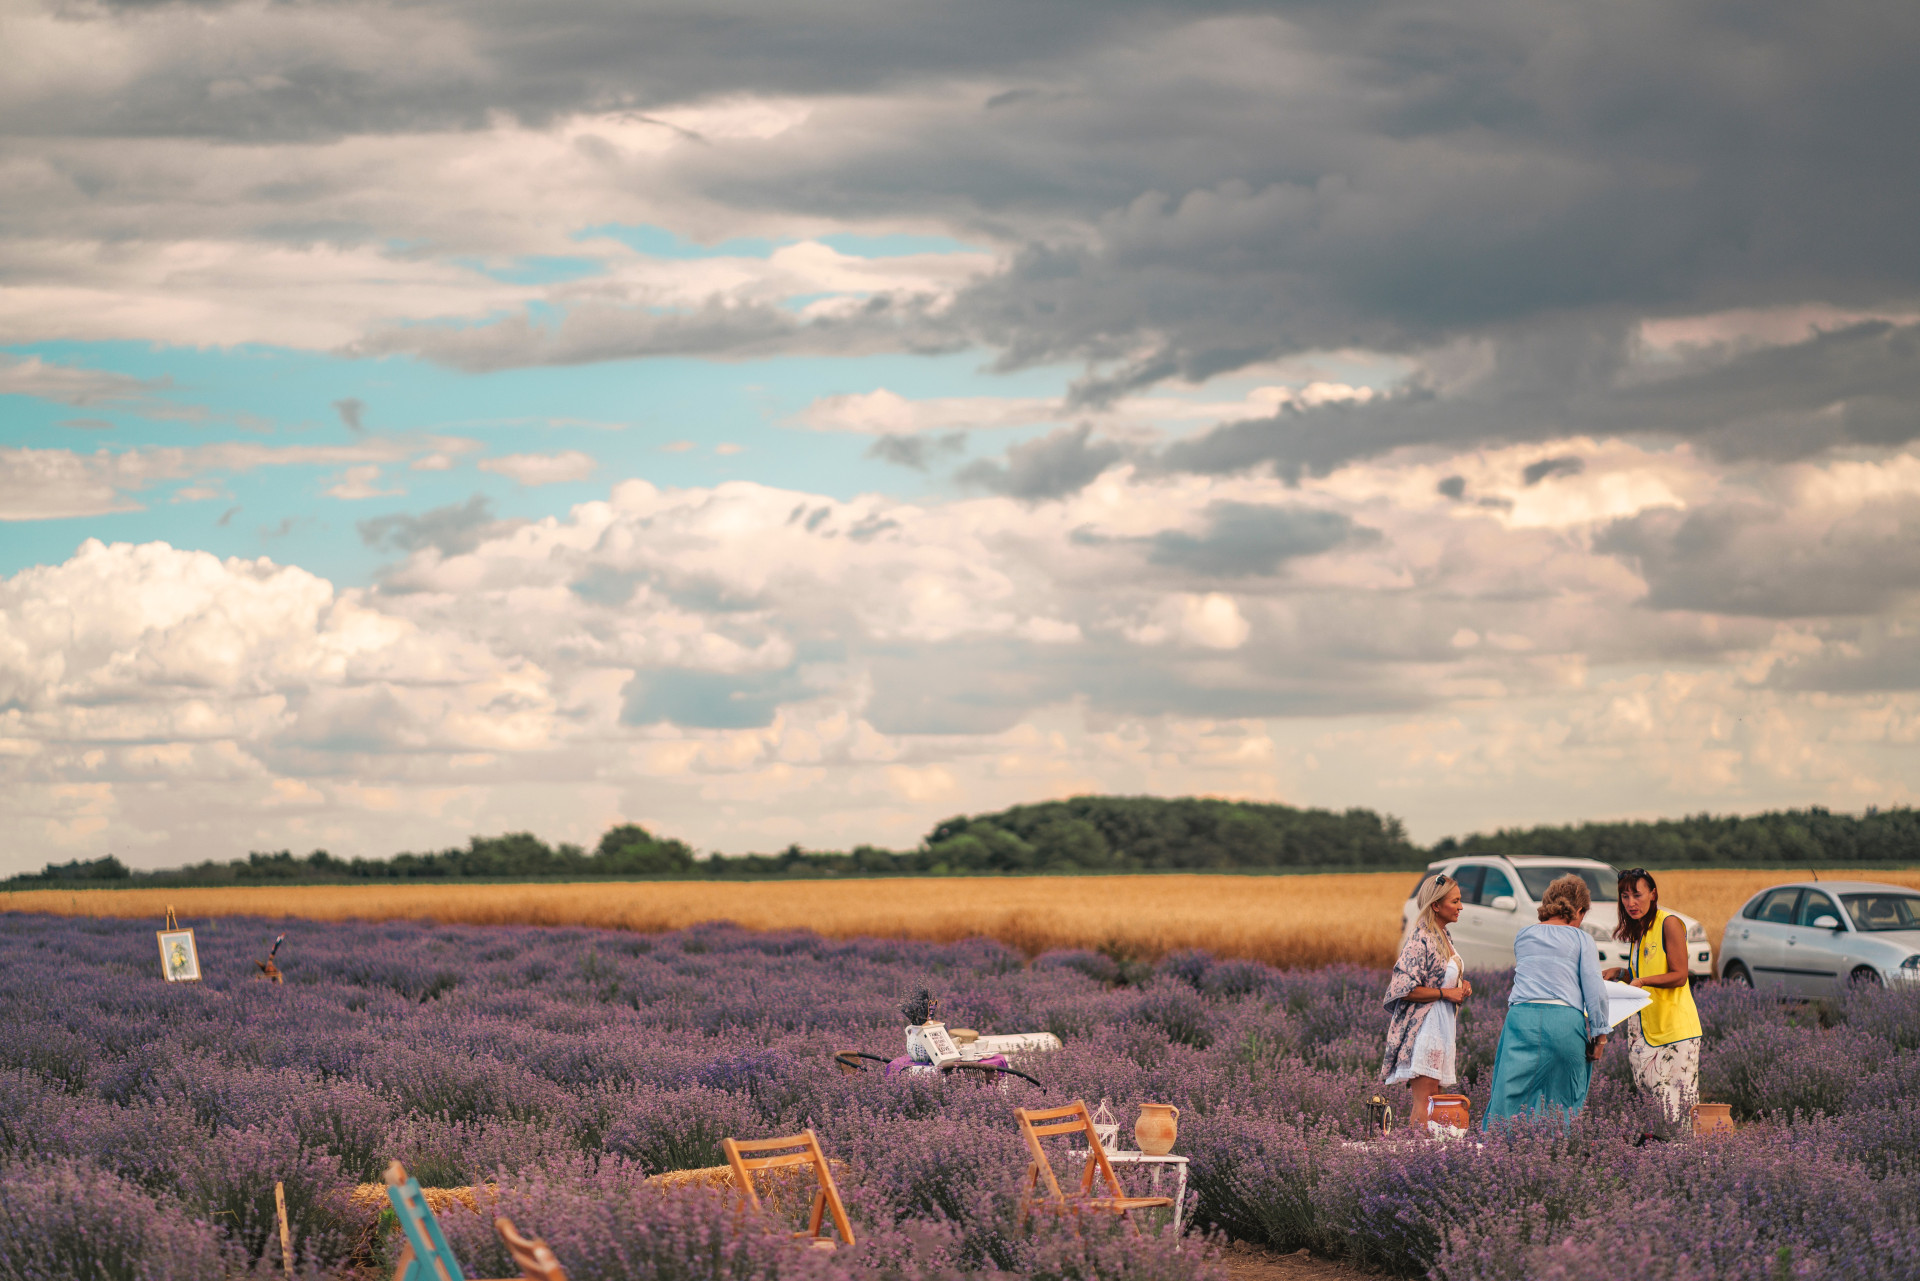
{"points": [[752, 665], [541, 469]]}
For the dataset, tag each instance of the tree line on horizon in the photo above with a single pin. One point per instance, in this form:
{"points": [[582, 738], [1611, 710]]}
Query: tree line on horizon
{"points": [[1084, 834]]}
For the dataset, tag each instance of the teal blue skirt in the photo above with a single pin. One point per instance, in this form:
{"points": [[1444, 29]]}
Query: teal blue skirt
{"points": [[1542, 1062]]}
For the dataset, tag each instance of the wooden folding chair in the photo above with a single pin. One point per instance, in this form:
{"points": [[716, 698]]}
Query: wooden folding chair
{"points": [[425, 1256], [746, 1156], [1068, 1122]]}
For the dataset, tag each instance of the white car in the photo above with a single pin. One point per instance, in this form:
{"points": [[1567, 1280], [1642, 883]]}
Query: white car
{"points": [[1500, 896], [1812, 938]]}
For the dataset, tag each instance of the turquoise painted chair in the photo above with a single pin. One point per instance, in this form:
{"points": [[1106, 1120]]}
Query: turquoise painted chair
{"points": [[425, 1256]]}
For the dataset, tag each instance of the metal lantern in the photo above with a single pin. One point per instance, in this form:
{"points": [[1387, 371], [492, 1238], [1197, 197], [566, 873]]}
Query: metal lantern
{"points": [[1379, 1117]]}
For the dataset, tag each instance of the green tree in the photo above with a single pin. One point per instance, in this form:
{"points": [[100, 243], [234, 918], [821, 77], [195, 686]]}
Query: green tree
{"points": [[1247, 839], [631, 850], [1072, 842]]}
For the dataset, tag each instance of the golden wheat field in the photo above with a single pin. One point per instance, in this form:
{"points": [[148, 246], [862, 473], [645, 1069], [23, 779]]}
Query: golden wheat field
{"points": [[1283, 920]]}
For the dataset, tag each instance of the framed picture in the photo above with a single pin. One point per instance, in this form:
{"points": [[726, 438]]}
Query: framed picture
{"points": [[940, 1046], [179, 958]]}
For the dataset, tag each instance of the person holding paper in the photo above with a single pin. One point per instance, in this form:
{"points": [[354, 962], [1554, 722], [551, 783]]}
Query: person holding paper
{"points": [[1557, 1016], [1421, 996], [1663, 1040]]}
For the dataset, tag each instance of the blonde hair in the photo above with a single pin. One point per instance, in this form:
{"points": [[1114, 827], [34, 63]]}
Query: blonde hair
{"points": [[1565, 899], [1431, 891]]}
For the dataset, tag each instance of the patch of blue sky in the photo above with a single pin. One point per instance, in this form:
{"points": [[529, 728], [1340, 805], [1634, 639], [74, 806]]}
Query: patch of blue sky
{"points": [[658, 242], [800, 302], [895, 245], [627, 415], [536, 269]]}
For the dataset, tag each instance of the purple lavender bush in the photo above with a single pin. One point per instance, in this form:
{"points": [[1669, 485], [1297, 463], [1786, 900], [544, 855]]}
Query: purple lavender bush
{"points": [[614, 1228], [146, 1123], [64, 1218]]}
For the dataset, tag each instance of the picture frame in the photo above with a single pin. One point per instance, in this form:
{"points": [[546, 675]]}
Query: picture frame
{"points": [[940, 1046], [179, 956]]}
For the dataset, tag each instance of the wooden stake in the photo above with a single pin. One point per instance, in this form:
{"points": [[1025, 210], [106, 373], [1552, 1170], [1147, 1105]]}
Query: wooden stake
{"points": [[286, 1241]]}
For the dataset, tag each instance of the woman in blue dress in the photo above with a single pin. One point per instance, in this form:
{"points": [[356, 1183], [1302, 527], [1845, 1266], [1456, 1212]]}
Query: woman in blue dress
{"points": [[1557, 1015]]}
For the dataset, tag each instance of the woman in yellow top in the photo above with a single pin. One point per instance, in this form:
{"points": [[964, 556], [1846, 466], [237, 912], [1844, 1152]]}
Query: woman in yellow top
{"points": [[1663, 1040]]}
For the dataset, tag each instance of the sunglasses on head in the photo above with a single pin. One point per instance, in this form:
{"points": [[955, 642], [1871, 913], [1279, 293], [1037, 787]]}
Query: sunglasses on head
{"points": [[1633, 874]]}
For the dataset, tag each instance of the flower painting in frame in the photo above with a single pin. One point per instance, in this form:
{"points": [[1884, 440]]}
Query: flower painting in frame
{"points": [[179, 958]]}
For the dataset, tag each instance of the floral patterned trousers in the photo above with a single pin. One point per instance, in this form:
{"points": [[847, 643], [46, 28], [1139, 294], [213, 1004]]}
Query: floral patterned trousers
{"points": [[1670, 1073]]}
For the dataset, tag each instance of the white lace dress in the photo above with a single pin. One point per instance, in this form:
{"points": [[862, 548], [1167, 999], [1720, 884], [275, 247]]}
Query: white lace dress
{"points": [[1433, 1044]]}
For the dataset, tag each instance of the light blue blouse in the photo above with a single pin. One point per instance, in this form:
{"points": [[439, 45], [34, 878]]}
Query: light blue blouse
{"points": [[1553, 962]]}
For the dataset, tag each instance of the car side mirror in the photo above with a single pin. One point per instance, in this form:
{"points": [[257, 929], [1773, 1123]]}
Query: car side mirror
{"points": [[1826, 923], [1503, 903]]}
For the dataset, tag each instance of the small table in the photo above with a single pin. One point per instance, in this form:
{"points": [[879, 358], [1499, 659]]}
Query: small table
{"points": [[1154, 1165]]}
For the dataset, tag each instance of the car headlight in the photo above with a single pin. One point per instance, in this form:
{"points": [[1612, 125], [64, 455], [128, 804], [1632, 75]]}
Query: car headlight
{"points": [[1696, 933], [1911, 963]]}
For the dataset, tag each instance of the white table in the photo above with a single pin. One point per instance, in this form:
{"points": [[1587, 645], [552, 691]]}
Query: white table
{"points": [[1154, 1164], [1013, 1043]]}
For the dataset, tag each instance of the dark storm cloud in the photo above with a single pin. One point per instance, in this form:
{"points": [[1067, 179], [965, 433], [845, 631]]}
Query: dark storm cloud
{"points": [[1183, 190], [1251, 538], [385, 68], [1763, 559], [1858, 385], [1398, 177], [1060, 463]]}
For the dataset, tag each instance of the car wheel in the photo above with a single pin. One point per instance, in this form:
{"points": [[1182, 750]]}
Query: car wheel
{"points": [[1864, 976], [1736, 974]]}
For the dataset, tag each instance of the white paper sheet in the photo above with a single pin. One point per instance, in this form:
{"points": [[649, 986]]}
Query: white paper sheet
{"points": [[1624, 1001]]}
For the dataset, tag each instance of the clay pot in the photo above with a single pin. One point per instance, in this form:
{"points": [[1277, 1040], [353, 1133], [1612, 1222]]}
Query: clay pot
{"points": [[1448, 1109], [1710, 1119], [1158, 1126]]}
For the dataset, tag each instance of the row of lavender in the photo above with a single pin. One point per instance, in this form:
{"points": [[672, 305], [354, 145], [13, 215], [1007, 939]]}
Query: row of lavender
{"points": [[143, 1125]]}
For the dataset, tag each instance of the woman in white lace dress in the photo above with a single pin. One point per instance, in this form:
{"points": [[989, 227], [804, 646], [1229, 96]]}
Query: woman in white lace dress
{"points": [[1422, 995]]}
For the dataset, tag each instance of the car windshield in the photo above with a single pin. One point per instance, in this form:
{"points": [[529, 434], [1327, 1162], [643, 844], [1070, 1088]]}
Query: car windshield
{"points": [[1883, 911], [1600, 880]]}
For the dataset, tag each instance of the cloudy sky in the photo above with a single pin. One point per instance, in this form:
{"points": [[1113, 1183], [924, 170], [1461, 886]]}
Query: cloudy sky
{"points": [[428, 419]]}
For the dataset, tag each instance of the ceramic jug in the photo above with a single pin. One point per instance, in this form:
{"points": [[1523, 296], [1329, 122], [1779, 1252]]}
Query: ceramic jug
{"points": [[1158, 1126], [1448, 1109], [1711, 1119]]}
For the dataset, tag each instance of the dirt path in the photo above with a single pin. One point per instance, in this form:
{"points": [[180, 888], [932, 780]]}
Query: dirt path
{"points": [[1255, 1263]]}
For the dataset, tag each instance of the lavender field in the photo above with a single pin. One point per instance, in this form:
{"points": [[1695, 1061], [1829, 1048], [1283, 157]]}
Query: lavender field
{"points": [[142, 1125]]}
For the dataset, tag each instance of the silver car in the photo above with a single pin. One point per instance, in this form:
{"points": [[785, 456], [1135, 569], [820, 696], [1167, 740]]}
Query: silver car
{"points": [[1812, 938], [1500, 895]]}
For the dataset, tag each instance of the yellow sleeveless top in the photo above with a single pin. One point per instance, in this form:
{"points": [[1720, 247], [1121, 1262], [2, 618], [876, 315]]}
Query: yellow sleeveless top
{"points": [[1673, 1015]]}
